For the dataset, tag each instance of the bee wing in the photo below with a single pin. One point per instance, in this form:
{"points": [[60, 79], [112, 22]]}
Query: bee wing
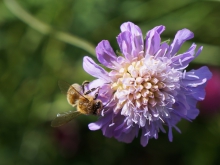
{"points": [[63, 118], [67, 88], [64, 86]]}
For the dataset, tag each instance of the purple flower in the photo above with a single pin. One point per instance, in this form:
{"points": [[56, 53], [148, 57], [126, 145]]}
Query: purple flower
{"points": [[148, 87]]}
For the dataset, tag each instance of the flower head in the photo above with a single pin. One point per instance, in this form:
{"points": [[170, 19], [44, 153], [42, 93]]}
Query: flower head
{"points": [[148, 87]]}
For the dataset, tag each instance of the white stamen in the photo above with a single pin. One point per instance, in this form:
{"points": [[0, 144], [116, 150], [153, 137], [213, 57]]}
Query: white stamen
{"points": [[110, 125], [143, 88]]}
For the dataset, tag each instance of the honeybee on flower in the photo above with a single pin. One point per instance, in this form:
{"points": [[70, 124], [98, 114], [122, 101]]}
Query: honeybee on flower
{"points": [[77, 96]]}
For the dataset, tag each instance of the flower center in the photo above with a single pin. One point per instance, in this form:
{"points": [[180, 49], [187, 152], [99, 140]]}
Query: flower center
{"points": [[144, 87]]}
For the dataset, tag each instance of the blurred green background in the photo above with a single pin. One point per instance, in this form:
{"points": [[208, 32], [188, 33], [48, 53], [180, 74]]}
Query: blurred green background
{"points": [[43, 41]]}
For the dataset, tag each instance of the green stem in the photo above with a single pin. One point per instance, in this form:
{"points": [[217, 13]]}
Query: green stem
{"points": [[45, 29]]}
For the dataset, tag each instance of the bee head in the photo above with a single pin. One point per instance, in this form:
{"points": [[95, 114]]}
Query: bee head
{"points": [[98, 107]]}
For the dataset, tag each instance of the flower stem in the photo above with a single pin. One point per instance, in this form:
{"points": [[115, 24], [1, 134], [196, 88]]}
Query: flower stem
{"points": [[46, 29]]}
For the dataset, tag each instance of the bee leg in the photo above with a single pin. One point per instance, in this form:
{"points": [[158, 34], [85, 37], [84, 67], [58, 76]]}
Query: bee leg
{"points": [[96, 94], [84, 84], [89, 91]]}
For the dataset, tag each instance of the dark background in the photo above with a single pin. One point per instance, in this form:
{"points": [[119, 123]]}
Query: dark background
{"points": [[34, 55]]}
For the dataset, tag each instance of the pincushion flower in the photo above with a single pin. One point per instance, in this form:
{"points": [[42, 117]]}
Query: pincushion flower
{"points": [[147, 87]]}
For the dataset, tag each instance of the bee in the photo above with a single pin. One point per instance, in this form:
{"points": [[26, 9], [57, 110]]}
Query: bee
{"points": [[76, 96]]}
